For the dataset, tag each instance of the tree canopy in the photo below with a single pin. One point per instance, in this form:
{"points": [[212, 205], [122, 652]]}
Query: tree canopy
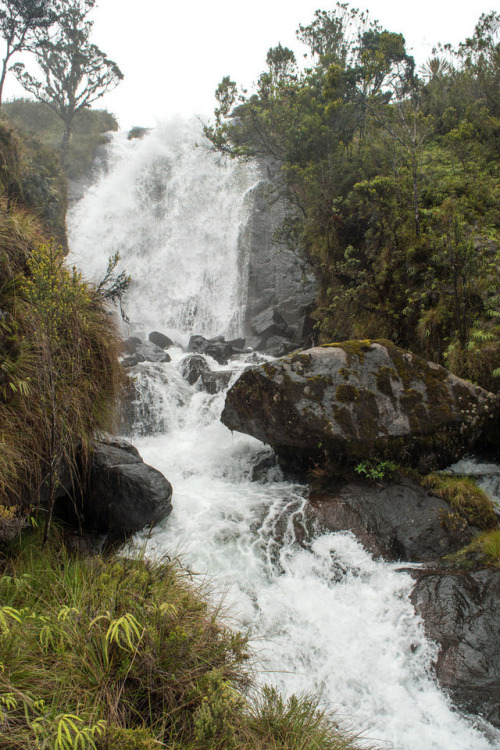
{"points": [[392, 182], [75, 72], [19, 20]]}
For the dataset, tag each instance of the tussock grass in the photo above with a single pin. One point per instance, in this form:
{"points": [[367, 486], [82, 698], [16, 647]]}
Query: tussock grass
{"points": [[468, 501], [483, 551], [122, 653]]}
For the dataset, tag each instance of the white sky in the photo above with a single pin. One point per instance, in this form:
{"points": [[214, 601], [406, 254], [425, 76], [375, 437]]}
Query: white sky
{"points": [[173, 54]]}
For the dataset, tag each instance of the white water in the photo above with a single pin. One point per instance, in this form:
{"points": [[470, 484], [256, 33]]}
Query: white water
{"points": [[323, 614]]}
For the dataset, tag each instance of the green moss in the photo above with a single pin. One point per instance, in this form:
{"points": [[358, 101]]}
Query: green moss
{"points": [[468, 501], [483, 551], [385, 376], [346, 393], [355, 349]]}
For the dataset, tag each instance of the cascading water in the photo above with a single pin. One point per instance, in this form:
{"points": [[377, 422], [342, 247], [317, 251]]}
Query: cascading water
{"points": [[323, 614]]}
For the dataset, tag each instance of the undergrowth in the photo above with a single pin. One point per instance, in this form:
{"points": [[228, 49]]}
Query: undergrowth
{"points": [[483, 551], [470, 505], [122, 653]]}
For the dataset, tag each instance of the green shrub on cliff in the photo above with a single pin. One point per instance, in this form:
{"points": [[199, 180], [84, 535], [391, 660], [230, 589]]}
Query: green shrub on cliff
{"points": [[122, 653]]}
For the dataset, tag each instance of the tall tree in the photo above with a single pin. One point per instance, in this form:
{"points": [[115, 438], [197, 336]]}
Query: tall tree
{"points": [[19, 19], [76, 73]]}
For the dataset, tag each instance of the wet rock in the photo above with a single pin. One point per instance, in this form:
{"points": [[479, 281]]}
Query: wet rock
{"points": [[359, 400], [395, 520], [278, 346], [216, 348], [268, 323], [160, 339], [195, 369], [131, 344], [461, 612], [125, 494]]}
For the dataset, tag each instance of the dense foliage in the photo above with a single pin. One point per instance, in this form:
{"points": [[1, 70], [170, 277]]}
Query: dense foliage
{"points": [[119, 653], [392, 179]]}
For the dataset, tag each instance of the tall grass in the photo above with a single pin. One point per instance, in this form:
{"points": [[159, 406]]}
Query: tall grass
{"points": [[120, 653]]}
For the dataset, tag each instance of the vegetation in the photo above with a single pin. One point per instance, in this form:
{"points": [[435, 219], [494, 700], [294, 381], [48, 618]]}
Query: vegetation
{"points": [[470, 505], [125, 653], [42, 128], [483, 551], [392, 179], [19, 20], [59, 372], [75, 72]]}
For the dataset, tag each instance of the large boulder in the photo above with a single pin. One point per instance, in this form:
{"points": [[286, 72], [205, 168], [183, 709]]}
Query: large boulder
{"points": [[125, 494], [397, 520], [359, 400], [461, 613], [195, 369]]}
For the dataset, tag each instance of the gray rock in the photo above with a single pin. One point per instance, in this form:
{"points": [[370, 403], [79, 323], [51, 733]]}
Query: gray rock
{"points": [[461, 612], [131, 344], [279, 278], [359, 400], [125, 494], [268, 323], [277, 346], [150, 352], [397, 520], [160, 339], [195, 369]]}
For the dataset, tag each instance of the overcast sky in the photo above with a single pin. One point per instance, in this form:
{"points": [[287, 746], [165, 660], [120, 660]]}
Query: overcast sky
{"points": [[173, 54]]}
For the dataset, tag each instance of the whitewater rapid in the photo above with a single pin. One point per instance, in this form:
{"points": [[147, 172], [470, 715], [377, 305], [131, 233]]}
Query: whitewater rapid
{"points": [[323, 615]]}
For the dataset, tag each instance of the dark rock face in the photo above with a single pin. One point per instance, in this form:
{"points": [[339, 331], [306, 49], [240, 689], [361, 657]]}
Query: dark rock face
{"points": [[195, 369], [125, 494], [397, 520], [363, 400], [278, 278], [461, 613], [160, 339]]}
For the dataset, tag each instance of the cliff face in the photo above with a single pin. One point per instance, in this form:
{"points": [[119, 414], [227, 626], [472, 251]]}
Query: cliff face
{"points": [[278, 279]]}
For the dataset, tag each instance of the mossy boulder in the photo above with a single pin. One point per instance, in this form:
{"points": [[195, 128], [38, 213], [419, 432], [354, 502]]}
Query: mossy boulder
{"points": [[359, 400]]}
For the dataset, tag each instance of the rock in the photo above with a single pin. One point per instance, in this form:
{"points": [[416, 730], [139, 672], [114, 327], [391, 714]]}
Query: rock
{"points": [[152, 353], [461, 612], [268, 323], [279, 278], [131, 344], [131, 361], [160, 339], [195, 369], [359, 400], [216, 348], [397, 520], [278, 346], [124, 494]]}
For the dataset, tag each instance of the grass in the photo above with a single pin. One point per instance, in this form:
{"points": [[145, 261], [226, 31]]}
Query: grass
{"points": [[469, 503], [483, 551], [120, 653]]}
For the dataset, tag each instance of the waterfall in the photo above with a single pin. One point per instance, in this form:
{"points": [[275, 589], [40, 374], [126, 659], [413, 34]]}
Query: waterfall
{"points": [[174, 213], [322, 613]]}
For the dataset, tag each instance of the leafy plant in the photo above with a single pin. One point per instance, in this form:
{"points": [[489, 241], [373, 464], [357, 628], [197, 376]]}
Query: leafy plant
{"points": [[376, 470]]}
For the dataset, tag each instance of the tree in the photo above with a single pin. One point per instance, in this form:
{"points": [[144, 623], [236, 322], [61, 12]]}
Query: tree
{"points": [[76, 73], [19, 19]]}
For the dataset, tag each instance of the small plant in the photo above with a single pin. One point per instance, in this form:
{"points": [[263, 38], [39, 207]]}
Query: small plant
{"points": [[376, 470], [470, 505]]}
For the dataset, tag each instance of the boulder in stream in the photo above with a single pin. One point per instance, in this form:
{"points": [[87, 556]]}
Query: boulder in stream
{"points": [[125, 494], [461, 613], [359, 400]]}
